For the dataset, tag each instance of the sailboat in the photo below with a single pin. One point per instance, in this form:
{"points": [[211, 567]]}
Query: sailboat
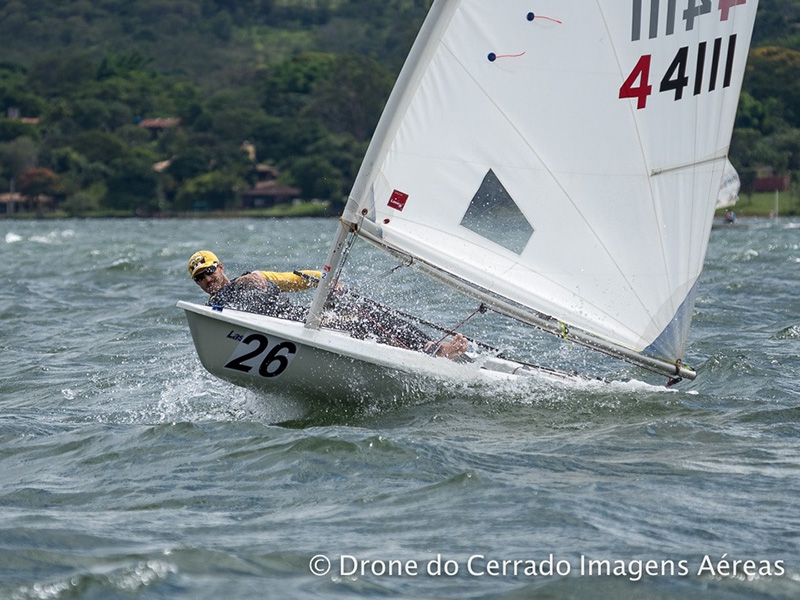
{"points": [[557, 161], [729, 188]]}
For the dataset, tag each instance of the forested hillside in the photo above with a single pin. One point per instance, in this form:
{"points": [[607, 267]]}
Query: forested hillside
{"points": [[160, 106]]}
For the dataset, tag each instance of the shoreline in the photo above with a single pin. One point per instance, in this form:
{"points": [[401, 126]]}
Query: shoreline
{"points": [[756, 205], [258, 215]]}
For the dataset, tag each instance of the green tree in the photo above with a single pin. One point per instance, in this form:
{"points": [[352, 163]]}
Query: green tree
{"points": [[757, 114], [59, 75], [221, 25], [101, 115], [318, 178], [100, 146], [191, 162], [76, 171], [742, 150], [122, 64], [286, 86], [234, 115], [777, 19], [277, 140], [18, 156], [774, 72], [785, 144], [80, 204], [11, 129], [15, 92], [209, 191], [351, 97], [133, 183], [343, 151]]}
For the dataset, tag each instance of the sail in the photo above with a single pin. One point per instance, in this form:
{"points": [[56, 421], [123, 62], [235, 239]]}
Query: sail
{"points": [[729, 188], [565, 155]]}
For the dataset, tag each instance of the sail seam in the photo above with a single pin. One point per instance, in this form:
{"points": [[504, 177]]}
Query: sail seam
{"points": [[643, 155]]}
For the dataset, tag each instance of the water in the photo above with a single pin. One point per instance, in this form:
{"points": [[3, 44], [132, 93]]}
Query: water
{"points": [[126, 471]]}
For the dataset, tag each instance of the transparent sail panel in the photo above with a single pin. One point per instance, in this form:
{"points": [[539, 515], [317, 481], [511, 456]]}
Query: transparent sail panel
{"points": [[494, 215]]}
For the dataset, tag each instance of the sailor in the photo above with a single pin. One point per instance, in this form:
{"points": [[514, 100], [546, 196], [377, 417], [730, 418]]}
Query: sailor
{"points": [[261, 292], [257, 291]]}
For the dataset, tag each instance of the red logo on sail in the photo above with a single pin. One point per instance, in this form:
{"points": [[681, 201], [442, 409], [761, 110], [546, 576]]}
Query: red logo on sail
{"points": [[398, 200]]}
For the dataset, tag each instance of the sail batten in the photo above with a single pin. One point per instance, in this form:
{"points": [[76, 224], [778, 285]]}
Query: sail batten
{"points": [[568, 161], [695, 163]]}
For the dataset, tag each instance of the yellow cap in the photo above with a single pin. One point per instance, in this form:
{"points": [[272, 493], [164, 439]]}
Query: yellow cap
{"points": [[202, 260]]}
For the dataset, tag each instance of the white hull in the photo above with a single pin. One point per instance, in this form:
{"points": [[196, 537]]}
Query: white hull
{"points": [[270, 354]]}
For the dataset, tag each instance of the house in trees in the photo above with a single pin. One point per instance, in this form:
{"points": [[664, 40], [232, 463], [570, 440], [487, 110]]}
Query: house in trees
{"points": [[159, 125], [267, 191], [767, 181], [37, 190], [15, 203]]}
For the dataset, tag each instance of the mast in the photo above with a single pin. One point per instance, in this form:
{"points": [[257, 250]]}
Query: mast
{"points": [[328, 275]]}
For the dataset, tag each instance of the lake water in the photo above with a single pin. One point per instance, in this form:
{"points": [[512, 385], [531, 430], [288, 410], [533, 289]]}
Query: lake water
{"points": [[126, 471]]}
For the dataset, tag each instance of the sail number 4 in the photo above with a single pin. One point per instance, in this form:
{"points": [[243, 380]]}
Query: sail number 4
{"points": [[259, 355], [676, 78]]}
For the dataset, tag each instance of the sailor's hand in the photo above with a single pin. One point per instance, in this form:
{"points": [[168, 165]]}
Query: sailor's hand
{"points": [[454, 348]]}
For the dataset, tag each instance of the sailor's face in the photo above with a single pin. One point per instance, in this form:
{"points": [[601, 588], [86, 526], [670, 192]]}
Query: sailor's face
{"points": [[212, 279]]}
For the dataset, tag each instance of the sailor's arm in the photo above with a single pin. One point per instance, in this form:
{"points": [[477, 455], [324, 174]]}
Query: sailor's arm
{"points": [[289, 282]]}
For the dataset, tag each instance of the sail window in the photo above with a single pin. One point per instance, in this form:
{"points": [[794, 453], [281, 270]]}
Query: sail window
{"points": [[493, 214]]}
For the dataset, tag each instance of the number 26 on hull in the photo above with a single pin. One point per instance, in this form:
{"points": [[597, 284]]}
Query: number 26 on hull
{"points": [[679, 75]]}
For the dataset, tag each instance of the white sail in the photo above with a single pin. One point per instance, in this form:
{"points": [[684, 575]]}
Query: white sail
{"points": [[564, 154], [729, 188]]}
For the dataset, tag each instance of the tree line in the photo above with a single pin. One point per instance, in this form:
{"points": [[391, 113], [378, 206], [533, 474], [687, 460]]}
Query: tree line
{"points": [[296, 84], [309, 115]]}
